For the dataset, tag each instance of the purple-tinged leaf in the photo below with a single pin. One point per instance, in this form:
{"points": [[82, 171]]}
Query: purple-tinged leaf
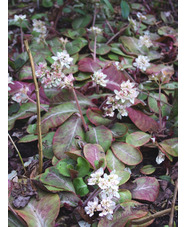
{"points": [[25, 73], [57, 115], [88, 65], [138, 139], [125, 195], [153, 69], [147, 189], [101, 48], [64, 138], [52, 177], [114, 77], [170, 146], [28, 138], [142, 121], [127, 153], [99, 135], [93, 152], [113, 163], [42, 212], [74, 154], [68, 198], [130, 210], [95, 117]]}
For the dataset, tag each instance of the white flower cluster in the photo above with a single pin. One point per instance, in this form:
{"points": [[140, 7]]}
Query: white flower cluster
{"points": [[123, 98], [160, 158], [120, 65], [141, 16], [109, 190], [39, 26], [95, 30], [145, 40], [10, 81], [133, 24], [99, 78], [142, 62], [19, 18], [21, 96], [63, 41], [55, 77]]}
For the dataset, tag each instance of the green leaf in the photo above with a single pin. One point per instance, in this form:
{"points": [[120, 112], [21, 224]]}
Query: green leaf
{"points": [[95, 117], [13, 221], [125, 9], [82, 167], [127, 153], [125, 195], [64, 138], [138, 139], [108, 4], [51, 177], [147, 169], [80, 186], [125, 176], [76, 45], [47, 145], [113, 163], [119, 130], [170, 146], [69, 198], [74, 33], [28, 138], [101, 48], [13, 109], [47, 3], [31, 129], [81, 22], [64, 165], [99, 135]]}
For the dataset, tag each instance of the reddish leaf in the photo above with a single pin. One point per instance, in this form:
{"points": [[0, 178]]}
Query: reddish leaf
{"points": [[147, 189], [42, 212], [88, 65], [113, 163], [141, 120], [130, 210], [115, 77], [93, 152], [95, 117], [64, 138]]}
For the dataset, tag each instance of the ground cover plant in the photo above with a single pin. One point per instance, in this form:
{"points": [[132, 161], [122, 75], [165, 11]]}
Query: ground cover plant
{"points": [[93, 113]]}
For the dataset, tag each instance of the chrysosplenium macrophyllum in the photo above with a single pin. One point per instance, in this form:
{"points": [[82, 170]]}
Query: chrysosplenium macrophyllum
{"points": [[95, 30], [142, 62], [99, 78]]}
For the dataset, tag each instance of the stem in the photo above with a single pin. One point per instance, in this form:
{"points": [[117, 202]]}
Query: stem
{"points": [[79, 108], [94, 18], [150, 217], [173, 204], [17, 151], [159, 107], [94, 56], [92, 195], [38, 107], [118, 33], [37, 4], [31, 100], [22, 45]]}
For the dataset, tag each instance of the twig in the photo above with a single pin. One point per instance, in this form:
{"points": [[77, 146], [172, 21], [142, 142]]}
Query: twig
{"points": [[38, 107], [79, 108], [118, 33], [110, 26], [17, 151], [150, 217], [173, 204]]}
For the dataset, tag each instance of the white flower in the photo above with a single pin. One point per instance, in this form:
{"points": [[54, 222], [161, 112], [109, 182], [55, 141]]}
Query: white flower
{"points": [[39, 26], [145, 40], [95, 30], [95, 177], [133, 24], [142, 62], [64, 59], [141, 16], [21, 97], [19, 18], [120, 65], [63, 41], [10, 81], [109, 111], [106, 206], [41, 69], [153, 139], [160, 158], [91, 207], [68, 81], [99, 78]]}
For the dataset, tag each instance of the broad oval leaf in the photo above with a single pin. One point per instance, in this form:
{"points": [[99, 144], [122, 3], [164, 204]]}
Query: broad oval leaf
{"points": [[25, 73], [118, 129], [142, 121], [101, 48], [80, 186], [170, 146], [124, 195], [64, 138], [138, 139], [42, 212], [52, 177], [95, 117], [113, 163], [88, 65], [76, 45], [57, 115], [125, 9], [124, 175], [69, 198], [148, 169], [99, 135], [28, 138], [127, 153], [81, 22], [93, 152], [130, 210], [147, 189]]}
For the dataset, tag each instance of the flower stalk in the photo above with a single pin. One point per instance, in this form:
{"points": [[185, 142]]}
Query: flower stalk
{"points": [[38, 107]]}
